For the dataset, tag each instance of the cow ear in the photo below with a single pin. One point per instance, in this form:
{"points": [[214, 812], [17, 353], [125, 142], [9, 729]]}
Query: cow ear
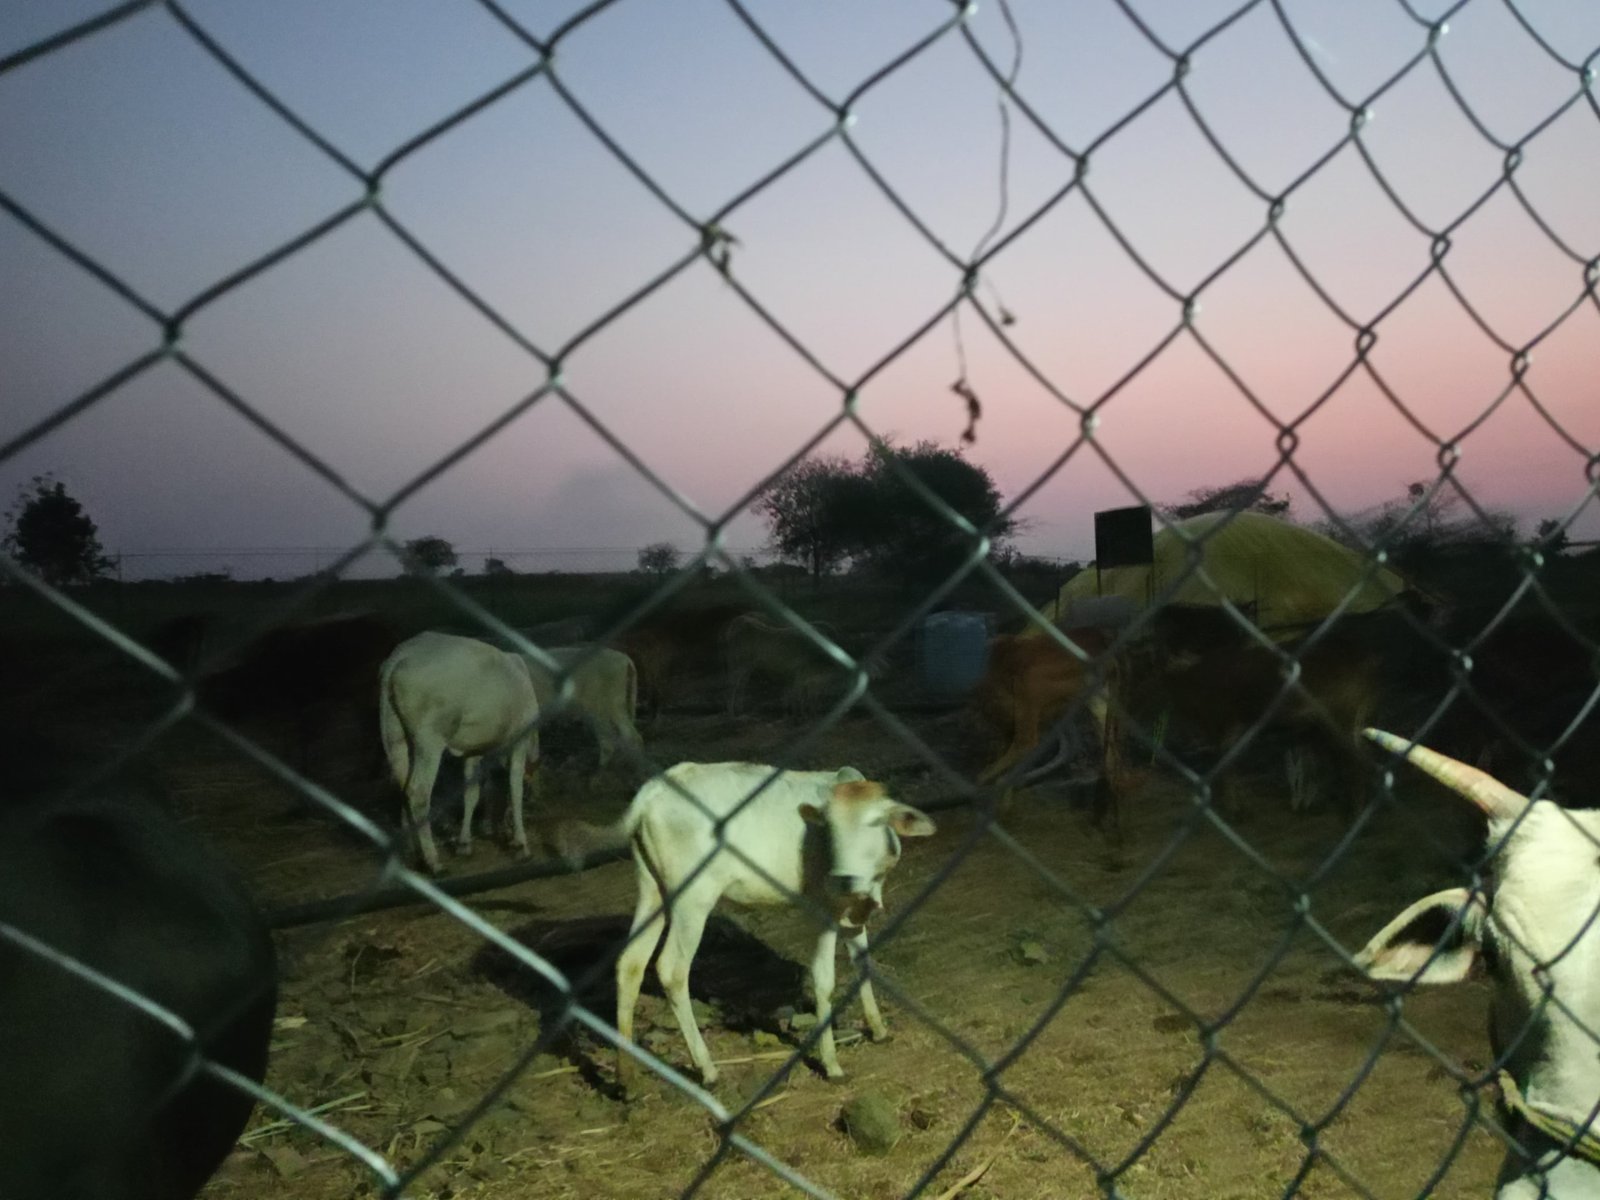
{"points": [[910, 822], [812, 815], [848, 775], [1436, 940]]}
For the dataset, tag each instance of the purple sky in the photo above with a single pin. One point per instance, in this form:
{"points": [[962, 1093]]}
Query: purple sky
{"points": [[135, 145]]}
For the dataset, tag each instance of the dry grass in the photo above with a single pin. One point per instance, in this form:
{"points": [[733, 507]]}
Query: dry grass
{"points": [[400, 1022]]}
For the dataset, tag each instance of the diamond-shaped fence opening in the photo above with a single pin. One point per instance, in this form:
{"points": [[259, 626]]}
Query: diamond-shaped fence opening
{"points": [[1101, 843]]}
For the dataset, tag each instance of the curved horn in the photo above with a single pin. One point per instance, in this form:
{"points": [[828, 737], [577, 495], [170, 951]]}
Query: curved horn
{"points": [[1483, 789]]}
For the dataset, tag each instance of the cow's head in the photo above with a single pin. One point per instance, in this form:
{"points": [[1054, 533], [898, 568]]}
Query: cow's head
{"points": [[864, 830], [1536, 928]]}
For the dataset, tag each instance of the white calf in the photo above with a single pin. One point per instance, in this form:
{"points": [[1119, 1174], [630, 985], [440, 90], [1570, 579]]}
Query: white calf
{"points": [[605, 693], [829, 835], [438, 693], [1537, 930]]}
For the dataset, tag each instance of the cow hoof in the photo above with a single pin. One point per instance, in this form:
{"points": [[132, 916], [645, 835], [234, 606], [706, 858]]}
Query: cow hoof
{"points": [[464, 851]]}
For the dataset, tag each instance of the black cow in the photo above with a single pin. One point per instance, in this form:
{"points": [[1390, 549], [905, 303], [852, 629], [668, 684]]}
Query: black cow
{"points": [[100, 1100]]}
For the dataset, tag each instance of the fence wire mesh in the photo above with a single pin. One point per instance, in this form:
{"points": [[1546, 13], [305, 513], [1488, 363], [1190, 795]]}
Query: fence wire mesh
{"points": [[1072, 1062]]}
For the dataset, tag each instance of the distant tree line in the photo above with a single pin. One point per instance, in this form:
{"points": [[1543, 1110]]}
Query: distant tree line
{"points": [[827, 513]]}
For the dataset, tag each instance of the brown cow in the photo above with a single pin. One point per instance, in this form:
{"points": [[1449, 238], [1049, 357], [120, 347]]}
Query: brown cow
{"points": [[1031, 682], [1217, 694]]}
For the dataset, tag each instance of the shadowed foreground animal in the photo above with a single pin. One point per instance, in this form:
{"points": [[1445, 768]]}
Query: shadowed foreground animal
{"points": [[100, 1099], [1536, 927], [439, 693], [830, 837]]}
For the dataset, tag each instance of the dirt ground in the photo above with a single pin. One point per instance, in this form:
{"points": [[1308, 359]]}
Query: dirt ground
{"points": [[1165, 1015]]}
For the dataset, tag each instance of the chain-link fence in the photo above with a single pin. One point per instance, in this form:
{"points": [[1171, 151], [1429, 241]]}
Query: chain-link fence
{"points": [[1162, 1005]]}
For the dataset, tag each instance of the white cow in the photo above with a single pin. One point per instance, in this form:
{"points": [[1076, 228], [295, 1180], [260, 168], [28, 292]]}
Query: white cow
{"points": [[1537, 930], [605, 693], [438, 693], [828, 835]]}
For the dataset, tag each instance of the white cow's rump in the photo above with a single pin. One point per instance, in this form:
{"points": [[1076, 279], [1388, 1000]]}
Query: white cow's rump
{"points": [[440, 693], [605, 694]]}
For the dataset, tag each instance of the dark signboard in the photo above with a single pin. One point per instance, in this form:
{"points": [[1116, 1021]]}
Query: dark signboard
{"points": [[1123, 537]]}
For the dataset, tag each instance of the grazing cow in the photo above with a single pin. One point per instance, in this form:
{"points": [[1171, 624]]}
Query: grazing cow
{"points": [[830, 836], [754, 647], [666, 644], [605, 693], [101, 1099], [1534, 928], [1215, 691], [439, 693], [1031, 682]]}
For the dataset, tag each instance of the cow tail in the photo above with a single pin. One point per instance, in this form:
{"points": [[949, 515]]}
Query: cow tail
{"points": [[396, 745]]}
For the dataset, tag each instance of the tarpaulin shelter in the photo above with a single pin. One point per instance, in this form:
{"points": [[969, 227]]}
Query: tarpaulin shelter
{"points": [[1283, 576]]}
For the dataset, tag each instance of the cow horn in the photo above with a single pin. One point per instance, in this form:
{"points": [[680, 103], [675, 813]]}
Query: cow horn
{"points": [[1483, 789]]}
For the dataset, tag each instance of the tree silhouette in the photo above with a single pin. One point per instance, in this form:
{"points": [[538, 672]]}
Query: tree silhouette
{"points": [[48, 531], [824, 510], [816, 512], [1242, 495], [658, 558], [430, 554], [910, 539]]}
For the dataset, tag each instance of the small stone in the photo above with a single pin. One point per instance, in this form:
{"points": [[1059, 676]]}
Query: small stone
{"points": [[286, 1160], [803, 1020], [1031, 953], [766, 1040], [447, 1105], [703, 1012], [872, 1123]]}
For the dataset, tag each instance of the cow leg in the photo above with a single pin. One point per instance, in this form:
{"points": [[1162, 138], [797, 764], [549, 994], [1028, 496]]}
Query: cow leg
{"points": [[689, 914], [1024, 737], [869, 1000], [472, 779], [1296, 768], [419, 795], [1107, 811], [524, 753], [822, 978], [648, 921]]}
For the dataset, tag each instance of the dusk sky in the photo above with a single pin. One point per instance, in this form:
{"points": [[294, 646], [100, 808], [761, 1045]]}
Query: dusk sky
{"points": [[136, 146]]}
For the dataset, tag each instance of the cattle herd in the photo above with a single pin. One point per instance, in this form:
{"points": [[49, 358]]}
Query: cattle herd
{"points": [[137, 979]]}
